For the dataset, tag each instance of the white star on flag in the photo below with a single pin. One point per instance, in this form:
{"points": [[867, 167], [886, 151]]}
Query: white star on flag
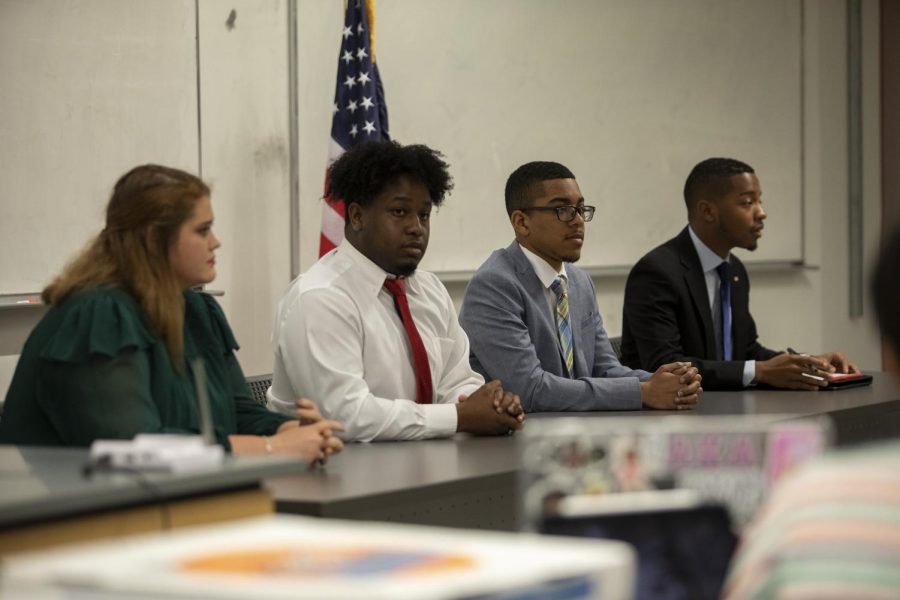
{"points": [[347, 32], [347, 57], [354, 130], [361, 53], [367, 102], [352, 107], [369, 127], [364, 77], [350, 82]]}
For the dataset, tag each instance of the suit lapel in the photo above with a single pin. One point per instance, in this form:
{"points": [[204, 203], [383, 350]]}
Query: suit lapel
{"points": [[534, 290], [696, 284], [577, 311]]}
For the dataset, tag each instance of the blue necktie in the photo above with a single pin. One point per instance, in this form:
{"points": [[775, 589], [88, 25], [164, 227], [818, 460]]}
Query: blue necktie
{"points": [[725, 306], [558, 287]]}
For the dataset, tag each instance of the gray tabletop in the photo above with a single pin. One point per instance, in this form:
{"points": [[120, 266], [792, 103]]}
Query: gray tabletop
{"points": [[42, 483], [858, 414], [881, 395], [462, 481], [471, 481]]}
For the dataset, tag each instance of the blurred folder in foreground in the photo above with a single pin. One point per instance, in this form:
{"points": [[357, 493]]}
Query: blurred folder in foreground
{"points": [[284, 556]]}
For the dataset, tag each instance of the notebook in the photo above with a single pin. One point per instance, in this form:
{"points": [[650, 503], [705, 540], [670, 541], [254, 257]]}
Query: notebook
{"points": [[841, 381]]}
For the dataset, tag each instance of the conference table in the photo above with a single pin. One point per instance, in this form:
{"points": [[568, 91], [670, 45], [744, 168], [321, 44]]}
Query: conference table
{"points": [[46, 498], [472, 482], [463, 481]]}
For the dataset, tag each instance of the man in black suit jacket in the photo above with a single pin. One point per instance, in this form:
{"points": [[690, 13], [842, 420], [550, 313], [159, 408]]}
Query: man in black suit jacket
{"points": [[675, 293]]}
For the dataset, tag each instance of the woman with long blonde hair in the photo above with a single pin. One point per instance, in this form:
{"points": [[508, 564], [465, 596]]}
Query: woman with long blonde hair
{"points": [[115, 354]]}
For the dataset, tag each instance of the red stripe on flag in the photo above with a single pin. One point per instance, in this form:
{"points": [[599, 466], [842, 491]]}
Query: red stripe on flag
{"points": [[325, 245]]}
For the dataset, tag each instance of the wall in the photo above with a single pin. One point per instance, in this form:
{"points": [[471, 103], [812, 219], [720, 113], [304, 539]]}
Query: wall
{"points": [[244, 150], [90, 89], [628, 94]]}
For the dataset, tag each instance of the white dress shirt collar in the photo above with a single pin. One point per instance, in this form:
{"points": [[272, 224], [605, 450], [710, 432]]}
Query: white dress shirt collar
{"points": [[372, 275], [542, 268], [709, 260]]}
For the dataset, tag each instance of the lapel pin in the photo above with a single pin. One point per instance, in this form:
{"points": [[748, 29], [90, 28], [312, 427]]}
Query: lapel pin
{"points": [[736, 278]]}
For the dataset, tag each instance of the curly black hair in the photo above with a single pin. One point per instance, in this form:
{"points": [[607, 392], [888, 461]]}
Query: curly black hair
{"points": [[711, 178], [518, 192], [363, 171]]}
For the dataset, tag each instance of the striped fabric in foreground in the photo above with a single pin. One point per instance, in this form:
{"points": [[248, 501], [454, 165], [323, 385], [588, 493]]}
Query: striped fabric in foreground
{"points": [[831, 531]]}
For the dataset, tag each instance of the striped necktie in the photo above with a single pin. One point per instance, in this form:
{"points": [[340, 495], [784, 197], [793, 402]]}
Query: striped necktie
{"points": [[560, 289]]}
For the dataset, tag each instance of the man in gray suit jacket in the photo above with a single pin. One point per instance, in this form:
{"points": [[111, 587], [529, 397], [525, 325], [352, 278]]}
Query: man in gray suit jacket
{"points": [[532, 316]]}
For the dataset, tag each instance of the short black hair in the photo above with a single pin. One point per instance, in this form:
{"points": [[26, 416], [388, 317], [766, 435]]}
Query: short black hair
{"points": [[363, 171], [519, 186], [711, 178], [886, 290]]}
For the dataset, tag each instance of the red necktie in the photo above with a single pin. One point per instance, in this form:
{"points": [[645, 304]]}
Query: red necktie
{"points": [[424, 391]]}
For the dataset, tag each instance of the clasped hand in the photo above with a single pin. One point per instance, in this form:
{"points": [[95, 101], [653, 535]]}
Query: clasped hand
{"points": [[489, 410], [310, 436], [674, 386]]}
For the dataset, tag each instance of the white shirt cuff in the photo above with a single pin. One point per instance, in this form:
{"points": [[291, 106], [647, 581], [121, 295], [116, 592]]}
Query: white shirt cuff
{"points": [[280, 406], [440, 420], [749, 372]]}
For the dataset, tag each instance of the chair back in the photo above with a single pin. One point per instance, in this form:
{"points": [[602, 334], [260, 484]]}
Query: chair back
{"points": [[259, 384], [617, 346]]}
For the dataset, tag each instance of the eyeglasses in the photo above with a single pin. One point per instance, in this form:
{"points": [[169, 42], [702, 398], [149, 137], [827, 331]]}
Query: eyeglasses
{"points": [[567, 213]]}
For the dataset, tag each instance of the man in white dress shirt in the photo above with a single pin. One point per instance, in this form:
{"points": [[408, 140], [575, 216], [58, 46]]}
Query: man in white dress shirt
{"points": [[374, 341]]}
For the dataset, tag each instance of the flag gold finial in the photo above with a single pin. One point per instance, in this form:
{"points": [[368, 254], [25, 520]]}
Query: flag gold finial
{"points": [[370, 15]]}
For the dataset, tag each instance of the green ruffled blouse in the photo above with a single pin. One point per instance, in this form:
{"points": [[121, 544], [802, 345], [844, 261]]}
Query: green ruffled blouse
{"points": [[93, 369]]}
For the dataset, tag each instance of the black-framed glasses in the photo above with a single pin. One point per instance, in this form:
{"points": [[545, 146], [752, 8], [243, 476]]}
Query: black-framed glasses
{"points": [[566, 213]]}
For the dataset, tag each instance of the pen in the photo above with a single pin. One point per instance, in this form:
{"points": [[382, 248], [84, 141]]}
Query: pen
{"points": [[814, 368]]}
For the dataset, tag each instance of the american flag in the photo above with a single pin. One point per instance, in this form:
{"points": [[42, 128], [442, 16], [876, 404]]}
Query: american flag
{"points": [[359, 111]]}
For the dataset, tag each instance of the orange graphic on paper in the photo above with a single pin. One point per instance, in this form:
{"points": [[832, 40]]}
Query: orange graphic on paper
{"points": [[358, 561]]}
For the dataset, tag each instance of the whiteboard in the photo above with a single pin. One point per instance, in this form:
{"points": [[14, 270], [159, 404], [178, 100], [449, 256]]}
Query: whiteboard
{"points": [[90, 89], [629, 94]]}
